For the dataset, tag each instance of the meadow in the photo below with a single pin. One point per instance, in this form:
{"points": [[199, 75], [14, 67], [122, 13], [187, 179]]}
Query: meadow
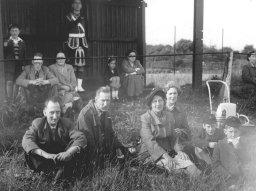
{"points": [[14, 175]]}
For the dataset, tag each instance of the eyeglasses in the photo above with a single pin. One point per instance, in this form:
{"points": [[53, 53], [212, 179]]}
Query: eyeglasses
{"points": [[132, 55], [61, 58]]}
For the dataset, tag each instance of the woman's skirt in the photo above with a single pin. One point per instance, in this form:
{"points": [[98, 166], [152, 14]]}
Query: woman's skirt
{"points": [[115, 82], [134, 84]]}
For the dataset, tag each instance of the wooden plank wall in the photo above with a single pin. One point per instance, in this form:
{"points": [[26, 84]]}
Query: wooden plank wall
{"points": [[112, 27]]}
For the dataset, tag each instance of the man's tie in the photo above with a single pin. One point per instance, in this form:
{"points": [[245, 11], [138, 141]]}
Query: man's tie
{"points": [[37, 75]]}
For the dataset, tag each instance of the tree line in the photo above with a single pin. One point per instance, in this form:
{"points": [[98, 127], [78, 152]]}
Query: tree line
{"points": [[185, 46]]}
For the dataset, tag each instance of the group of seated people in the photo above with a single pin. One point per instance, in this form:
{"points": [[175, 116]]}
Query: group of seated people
{"points": [[38, 82], [56, 146]]}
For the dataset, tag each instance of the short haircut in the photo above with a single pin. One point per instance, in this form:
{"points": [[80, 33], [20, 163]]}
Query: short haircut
{"points": [[38, 54], [104, 89], [54, 99], [60, 52], [130, 51], [170, 85], [12, 26], [249, 54], [181, 138]]}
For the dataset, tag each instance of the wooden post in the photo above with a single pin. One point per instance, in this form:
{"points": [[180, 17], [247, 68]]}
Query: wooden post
{"points": [[2, 73], [141, 48], [142, 33], [198, 44], [228, 74]]}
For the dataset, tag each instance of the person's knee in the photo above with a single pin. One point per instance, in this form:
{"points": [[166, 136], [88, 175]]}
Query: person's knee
{"points": [[193, 171]]}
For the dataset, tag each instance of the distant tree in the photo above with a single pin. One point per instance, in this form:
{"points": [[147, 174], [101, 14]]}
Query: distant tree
{"points": [[184, 46], [248, 48], [210, 49], [227, 49]]}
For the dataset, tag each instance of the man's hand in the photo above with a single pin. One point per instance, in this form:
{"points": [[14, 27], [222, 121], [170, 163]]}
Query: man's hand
{"points": [[44, 154], [178, 130], [137, 69], [44, 82], [65, 88], [212, 144], [49, 156], [36, 82], [63, 157], [168, 162], [5, 43]]}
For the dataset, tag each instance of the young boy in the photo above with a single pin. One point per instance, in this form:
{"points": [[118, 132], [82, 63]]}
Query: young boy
{"points": [[229, 152], [209, 135], [14, 49]]}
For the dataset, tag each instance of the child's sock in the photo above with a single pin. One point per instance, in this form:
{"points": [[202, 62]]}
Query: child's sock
{"points": [[117, 94], [113, 94]]}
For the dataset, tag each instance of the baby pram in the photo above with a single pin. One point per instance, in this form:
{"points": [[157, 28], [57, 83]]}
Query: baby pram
{"points": [[224, 107]]}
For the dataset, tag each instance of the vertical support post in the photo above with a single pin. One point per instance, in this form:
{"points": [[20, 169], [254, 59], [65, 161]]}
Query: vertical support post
{"points": [[198, 44], [142, 33], [2, 74], [174, 52]]}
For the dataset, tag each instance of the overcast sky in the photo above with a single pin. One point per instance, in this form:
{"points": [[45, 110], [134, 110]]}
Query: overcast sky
{"points": [[236, 17]]}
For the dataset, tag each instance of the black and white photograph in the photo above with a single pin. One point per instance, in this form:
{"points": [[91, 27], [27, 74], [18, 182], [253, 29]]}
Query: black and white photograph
{"points": [[127, 95]]}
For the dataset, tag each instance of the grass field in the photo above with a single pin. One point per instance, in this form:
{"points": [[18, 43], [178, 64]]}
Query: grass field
{"points": [[15, 176], [181, 78]]}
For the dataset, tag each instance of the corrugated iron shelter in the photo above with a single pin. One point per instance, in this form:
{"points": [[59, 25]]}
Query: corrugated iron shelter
{"points": [[114, 26]]}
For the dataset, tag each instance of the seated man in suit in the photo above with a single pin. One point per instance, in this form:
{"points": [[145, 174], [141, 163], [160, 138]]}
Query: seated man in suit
{"points": [[38, 82], [95, 122], [51, 144]]}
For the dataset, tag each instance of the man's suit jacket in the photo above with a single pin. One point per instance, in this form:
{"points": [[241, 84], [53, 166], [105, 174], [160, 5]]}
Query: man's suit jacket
{"points": [[41, 136], [29, 74]]}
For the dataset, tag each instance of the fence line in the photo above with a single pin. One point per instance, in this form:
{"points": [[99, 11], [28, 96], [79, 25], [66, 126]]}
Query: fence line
{"points": [[138, 56]]}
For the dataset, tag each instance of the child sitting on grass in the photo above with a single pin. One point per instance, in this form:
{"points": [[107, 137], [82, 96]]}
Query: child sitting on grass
{"points": [[208, 137], [112, 78], [228, 154]]}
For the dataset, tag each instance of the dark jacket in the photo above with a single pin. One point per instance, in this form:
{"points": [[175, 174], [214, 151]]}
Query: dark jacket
{"points": [[202, 139], [109, 74], [227, 160], [249, 74], [156, 134], [40, 136], [98, 130], [9, 51], [180, 119]]}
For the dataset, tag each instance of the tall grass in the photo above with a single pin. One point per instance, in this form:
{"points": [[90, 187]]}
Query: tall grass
{"points": [[14, 175]]}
